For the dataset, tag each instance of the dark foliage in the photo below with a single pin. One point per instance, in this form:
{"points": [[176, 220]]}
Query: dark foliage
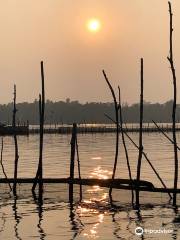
{"points": [[73, 111]]}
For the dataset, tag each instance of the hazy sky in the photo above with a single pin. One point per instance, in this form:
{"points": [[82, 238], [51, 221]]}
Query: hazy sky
{"points": [[55, 31]]}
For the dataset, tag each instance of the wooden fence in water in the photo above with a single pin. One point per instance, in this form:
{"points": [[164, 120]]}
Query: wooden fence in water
{"points": [[103, 129]]}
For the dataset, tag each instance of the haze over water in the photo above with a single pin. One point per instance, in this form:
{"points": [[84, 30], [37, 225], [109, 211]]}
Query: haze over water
{"points": [[56, 32]]}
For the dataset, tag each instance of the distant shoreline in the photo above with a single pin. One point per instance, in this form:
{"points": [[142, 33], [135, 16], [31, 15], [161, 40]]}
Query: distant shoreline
{"points": [[73, 111]]}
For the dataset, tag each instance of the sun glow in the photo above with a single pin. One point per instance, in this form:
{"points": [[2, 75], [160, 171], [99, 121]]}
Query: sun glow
{"points": [[94, 25]]}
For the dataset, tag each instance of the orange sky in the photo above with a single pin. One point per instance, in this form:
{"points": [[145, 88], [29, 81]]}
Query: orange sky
{"points": [[55, 31]]}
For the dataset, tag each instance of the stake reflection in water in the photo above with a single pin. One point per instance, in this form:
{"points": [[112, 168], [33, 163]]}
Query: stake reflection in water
{"points": [[39, 201], [17, 218]]}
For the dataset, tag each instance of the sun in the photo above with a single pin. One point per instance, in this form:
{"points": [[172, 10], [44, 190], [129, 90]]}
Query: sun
{"points": [[94, 25]]}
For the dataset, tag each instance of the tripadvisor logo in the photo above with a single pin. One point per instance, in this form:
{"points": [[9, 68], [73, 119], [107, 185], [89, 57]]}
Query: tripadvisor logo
{"points": [[139, 231]]}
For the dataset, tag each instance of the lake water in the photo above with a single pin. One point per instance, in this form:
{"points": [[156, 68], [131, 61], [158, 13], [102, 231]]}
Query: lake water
{"points": [[94, 217]]}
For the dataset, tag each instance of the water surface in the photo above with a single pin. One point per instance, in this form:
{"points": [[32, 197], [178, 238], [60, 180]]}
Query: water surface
{"points": [[94, 217]]}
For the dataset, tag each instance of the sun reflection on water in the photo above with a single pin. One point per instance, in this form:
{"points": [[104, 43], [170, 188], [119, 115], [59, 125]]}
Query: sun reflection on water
{"points": [[92, 233], [100, 173], [95, 204], [96, 158], [94, 189]]}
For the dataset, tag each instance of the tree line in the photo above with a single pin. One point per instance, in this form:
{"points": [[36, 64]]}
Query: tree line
{"points": [[67, 112]]}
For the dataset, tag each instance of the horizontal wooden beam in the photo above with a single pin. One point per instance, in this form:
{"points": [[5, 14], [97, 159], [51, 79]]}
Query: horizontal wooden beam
{"points": [[118, 183]]}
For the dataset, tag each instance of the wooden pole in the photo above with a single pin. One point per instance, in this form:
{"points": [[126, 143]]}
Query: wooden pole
{"points": [[15, 142], [171, 61], [117, 128], [39, 174], [42, 122], [72, 158], [145, 156], [124, 142], [79, 168], [140, 134], [162, 131]]}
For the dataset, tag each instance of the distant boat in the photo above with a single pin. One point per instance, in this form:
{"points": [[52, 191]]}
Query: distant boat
{"points": [[10, 130]]}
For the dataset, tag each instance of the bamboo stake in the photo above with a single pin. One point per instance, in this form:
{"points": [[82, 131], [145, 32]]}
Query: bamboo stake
{"points": [[123, 140], [39, 174], [79, 169], [171, 61], [140, 134], [42, 122], [38, 171], [161, 130], [117, 128], [72, 158], [144, 154], [40, 148], [3, 169], [15, 142]]}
